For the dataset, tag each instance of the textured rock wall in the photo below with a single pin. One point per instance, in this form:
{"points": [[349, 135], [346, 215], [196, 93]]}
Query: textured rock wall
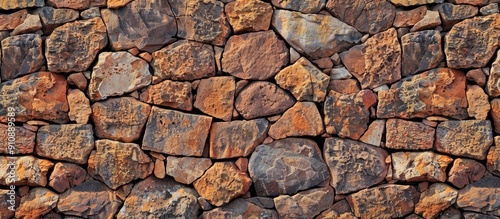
{"points": [[313, 109]]}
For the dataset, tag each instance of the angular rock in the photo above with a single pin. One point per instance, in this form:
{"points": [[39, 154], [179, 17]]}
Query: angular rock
{"points": [[476, 75], [73, 46], [409, 18], [79, 106], [89, 199], [52, 18], [4, 205], [261, 99], [493, 159], [386, 201], [495, 114], [340, 74], [377, 61], [29, 171], [24, 140], [18, 4], [354, 165], [237, 138], [373, 134], [408, 135], [257, 56], [302, 119], [90, 13], [467, 138], [240, 209], [120, 119], [304, 167], [346, 86], [117, 3], [419, 166], [73, 4], [184, 60], [430, 21], [367, 17], [435, 199], [347, 115], [66, 176], [331, 35], [306, 204], [407, 3], [471, 2], [465, 171], [221, 183], [215, 97], [304, 81], [36, 203], [478, 102], [306, 7], [157, 198], [470, 215], [79, 80], [172, 94], [176, 133], [452, 14], [473, 197], [249, 15], [117, 164], [186, 170], [421, 51], [148, 30], [439, 92], [21, 55], [12, 20], [493, 84], [472, 42], [489, 9], [69, 142], [31, 24]]}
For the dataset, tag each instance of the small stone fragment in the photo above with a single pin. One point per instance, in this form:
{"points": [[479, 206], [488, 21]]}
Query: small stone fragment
{"points": [[430, 20], [31, 24], [434, 200], [186, 170], [489, 9], [79, 106], [407, 3], [21, 55], [478, 102], [37, 202], [373, 134], [493, 159], [172, 94], [66, 176], [240, 209], [420, 166], [340, 74], [12, 20], [421, 51], [409, 18], [117, 3], [215, 97], [302, 119], [477, 75], [408, 135], [305, 204], [29, 170], [24, 140], [346, 86], [90, 13], [249, 15], [261, 99], [465, 171]]}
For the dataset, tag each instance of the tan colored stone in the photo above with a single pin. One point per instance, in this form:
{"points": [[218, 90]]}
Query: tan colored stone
{"points": [[117, 3], [215, 97], [302, 119], [409, 18], [172, 94], [473, 197], [493, 158], [478, 102], [261, 99], [22, 143], [12, 20], [421, 51], [186, 170], [493, 84], [408, 135], [347, 86], [159, 170], [21, 55], [305, 204], [467, 138], [18, 4], [31, 24], [28, 170], [66, 176], [373, 134], [249, 15], [79, 106], [434, 200], [240, 209], [36, 203], [477, 75], [465, 171], [430, 21], [79, 80], [407, 3], [73, 4], [420, 166]]}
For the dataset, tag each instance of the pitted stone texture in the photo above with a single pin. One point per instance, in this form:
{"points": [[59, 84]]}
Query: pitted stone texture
{"points": [[409, 18], [257, 56], [37, 202], [117, 3], [493, 84], [13, 20], [493, 158], [21, 55], [408, 135], [222, 183], [79, 106], [73, 4], [117, 73], [419, 166], [184, 60], [160, 198], [373, 134], [473, 197], [261, 99], [249, 15], [186, 170], [436, 199], [52, 18], [452, 14], [89, 199], [66, 176], [215, 97], [24, 140], [302, 119], [73, 46], [472, 42], [31, 24], [465, 171], [40, 95], [348, 115], [176, 133], [172, 94], [478, 102], [331, 35], [29, 171], [467, 138], [117, 164], [384, 202], [439, 92], [305, 204], [304, 81], [366, 16], [377, 61], [120, 119], [148, 30], [237, 138], [18, 4], [354, 165], [407, 3], [302, 157], [202, 21], [422, 51], [240, 209], [69, 142]]}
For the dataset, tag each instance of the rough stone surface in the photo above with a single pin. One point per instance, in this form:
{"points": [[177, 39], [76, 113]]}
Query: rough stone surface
{"points": [[374, 133], [478, 102], [354, 165], [406, 3], [73, 4], [29, 170], [32, 23], [493, 159], [470, 138], [172, 94], [36, 203], [261, 99], [4, 206], [331, 35], [240, 209], [117, 3], [73, 46], [408, 135], [421, 51], [306, 204], [249, 15], [435, 199], [473, 198], [306, 7], [52, 18], [431, 20], [18, 4], [465, 171], [420, 166], [13, 20], [495, 114], [69, 142], [186, 170], [216, 97], [452, 14], [176, 133], [302, 119], [120, 119], [21, 55], [493, 84], [24, 140], [66, 176], [409, 18], [79, 106], [157, 198]]}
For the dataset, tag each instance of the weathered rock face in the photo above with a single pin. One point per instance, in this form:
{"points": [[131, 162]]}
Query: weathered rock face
{"points": [[332, 35], [240, 209], [257, 56], [452, 14], [414, 2], [40, 95], [184, 60], [29, 171], [117, 73], [472, 42], [24, 140], [13, 20], [408, 135], [435, 199], [419, 166], [493, 158], [148, 30], [478, 102], [172, 94], [221, 183], [79, 106], [493, 85], [21, 55], [306, 204], [237, 138], [117, 163], [159, 198], [176, 133], [473, 198], [186, 170], [73, 4], [302, 119], [409, 18], [52, 18], [386, 201], [66, 176], [216, 97], [421, 51], [120, 119], [435, 92], [495, 114], [18, 4], [32, 23], [249, 15], [36, 203], [4, 206], [70, 142], [465, 171], [354, 165], [306, 7], [470, 138], [73, 46]]}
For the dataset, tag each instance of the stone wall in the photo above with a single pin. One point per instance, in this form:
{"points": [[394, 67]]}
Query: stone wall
{"points": [[250, 109]]}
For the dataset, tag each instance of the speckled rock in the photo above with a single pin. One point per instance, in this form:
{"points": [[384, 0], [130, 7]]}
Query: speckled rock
{"points": [[408, 18], [305, 204], [29, 170], [55, 17], [21, 55], [408, 135], [215, 97], [422, 51], [36, 203], [473, 198], [73, 4], [419, 166], [66, 176], [24, 140], [435, 199], [249, 15], [305, 6], [493, 158], [172, 94], [478, 102], [261, 99], [186, 170], [18, 4], [452, 14], [465, 171], [79, 106], [302, 119]]}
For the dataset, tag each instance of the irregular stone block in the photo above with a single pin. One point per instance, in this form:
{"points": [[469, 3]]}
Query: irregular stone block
{"points": [[305, 204], [465, 171], [436, 199], [215, 97], [73, 4], [408, 135], [478, 102], [452, 14], [421, 51], [18, 4], [79, 106], [240, 209], [52, 18], [28, 170], [249, 15], [23, 142], [12, 20], [66, 176], [38, 202], [186, 170], [473, 197], [419, 166], [21, 55], [302, 119], [172, 94]]}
